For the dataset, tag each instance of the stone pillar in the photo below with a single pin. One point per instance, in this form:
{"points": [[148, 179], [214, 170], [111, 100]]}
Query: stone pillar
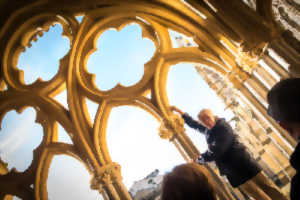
{"points": [[288, 37], [173, 129], [275, 152], [261, 110], [122, 190], [181, 151], [275, 66], [4, 170], [265, 75], [259, 88], [109, 181], [289, 54]]}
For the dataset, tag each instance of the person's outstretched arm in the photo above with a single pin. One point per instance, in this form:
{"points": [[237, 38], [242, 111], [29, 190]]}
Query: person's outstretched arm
{"points": [[189, 120]]}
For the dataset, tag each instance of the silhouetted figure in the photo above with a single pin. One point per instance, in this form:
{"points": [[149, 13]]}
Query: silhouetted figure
{"points": [[231, 156], [188, 182], [284, 107]]}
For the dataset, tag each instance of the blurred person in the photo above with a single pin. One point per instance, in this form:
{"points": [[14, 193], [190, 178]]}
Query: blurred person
{"points": [[188, 182], [284, 108]]}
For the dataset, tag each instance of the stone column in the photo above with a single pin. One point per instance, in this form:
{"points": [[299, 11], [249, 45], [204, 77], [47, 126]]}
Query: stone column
{"points": [[181, 151], [109, 181], [259, 89], [289, 54], [265, 75], [276, 67], [172, 129], [258, 107], [4, 170]]}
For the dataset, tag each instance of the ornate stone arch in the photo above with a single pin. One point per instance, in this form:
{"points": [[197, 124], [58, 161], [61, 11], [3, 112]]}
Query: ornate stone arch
{"points": [[220, 47]]}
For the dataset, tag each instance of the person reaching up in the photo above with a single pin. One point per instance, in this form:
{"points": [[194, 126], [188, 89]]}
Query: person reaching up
{"points": [[231, 156]]}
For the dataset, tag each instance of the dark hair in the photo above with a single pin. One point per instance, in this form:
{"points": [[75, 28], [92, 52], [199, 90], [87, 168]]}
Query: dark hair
{"points": [[284, 100], [188, 182]]}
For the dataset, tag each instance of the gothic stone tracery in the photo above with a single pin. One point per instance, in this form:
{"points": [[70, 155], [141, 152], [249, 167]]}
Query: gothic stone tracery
{"points": [[219, 37]]}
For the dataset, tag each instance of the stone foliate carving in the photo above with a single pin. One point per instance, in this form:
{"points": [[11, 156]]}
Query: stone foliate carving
{"points": [[168, 128], [108, 174], [247, 59]]}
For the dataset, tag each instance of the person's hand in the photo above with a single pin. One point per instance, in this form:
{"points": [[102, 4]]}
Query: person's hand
{"points": [[195, 157], [200, 160], [174, 108]]}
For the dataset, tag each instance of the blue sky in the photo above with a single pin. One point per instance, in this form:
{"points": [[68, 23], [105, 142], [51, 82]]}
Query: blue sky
{"points": [[132, 134]]}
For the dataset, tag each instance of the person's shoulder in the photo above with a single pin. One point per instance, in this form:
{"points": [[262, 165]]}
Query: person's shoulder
{"points": [[185, 114], [221, 121]]}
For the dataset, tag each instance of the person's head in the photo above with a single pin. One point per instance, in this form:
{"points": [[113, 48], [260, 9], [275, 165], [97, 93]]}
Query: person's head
{"points": [[207, 118], [284, 105], [188, 181]]}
